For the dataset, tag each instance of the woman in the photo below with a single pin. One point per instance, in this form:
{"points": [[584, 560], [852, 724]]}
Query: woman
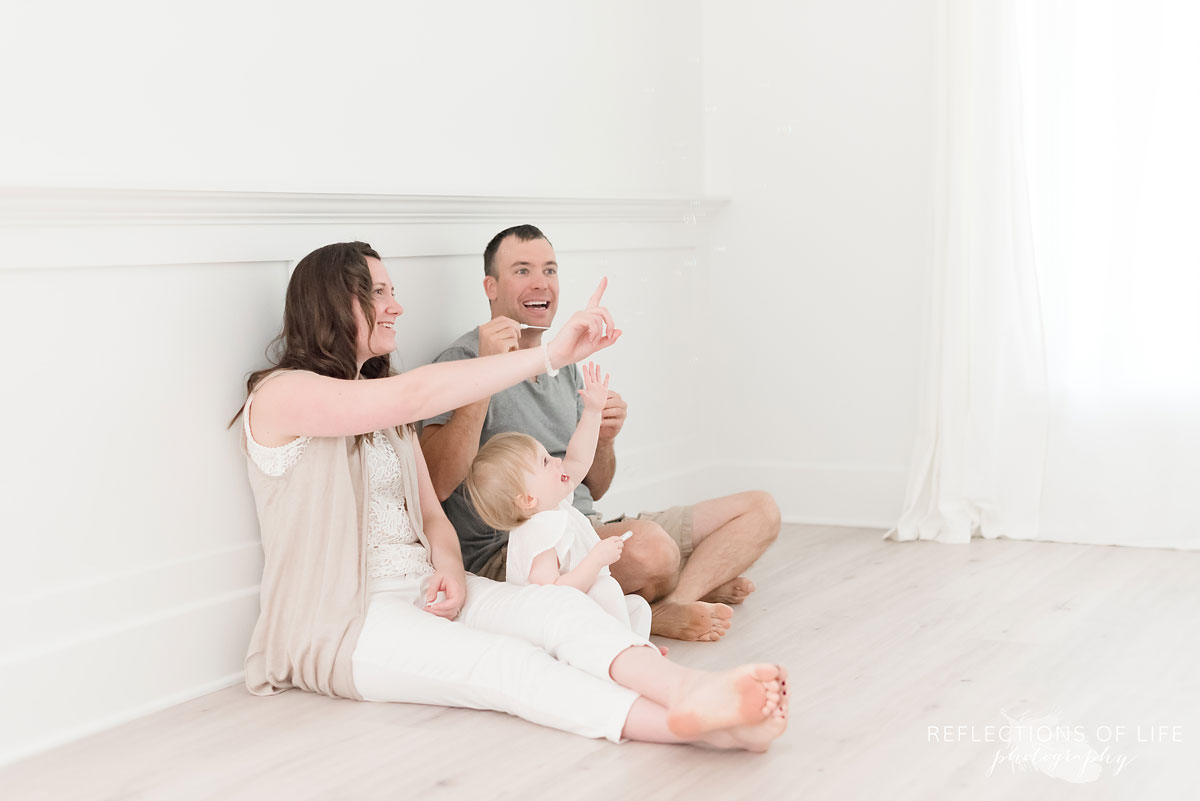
{"points": [[364, 595]]}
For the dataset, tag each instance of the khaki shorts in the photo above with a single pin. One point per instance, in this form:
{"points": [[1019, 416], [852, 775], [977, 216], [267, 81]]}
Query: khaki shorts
{"points": [[676, 521]]}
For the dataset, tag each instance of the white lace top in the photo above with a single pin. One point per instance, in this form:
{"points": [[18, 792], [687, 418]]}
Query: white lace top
{"points": [[393, 548]]}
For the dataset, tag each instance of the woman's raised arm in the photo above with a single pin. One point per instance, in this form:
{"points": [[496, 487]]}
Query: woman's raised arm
{"points": [[306, 404]]}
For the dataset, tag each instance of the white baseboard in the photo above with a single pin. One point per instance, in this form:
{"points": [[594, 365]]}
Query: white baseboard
{"points": [[33, 747], [61, 617], [817, 494], [53, 695]]}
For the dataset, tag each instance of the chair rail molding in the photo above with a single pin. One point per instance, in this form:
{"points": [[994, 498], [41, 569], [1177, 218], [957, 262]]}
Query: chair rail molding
{"points": [[67, 227]]}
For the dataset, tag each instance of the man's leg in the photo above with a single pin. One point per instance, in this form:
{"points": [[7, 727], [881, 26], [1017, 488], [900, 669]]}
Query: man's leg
{"points": [[649, 563], [649, 567], [728, 535]]}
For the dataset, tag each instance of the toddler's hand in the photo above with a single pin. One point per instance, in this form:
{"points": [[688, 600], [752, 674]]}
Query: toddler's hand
{"points": [[609, 550], [595, 391]]}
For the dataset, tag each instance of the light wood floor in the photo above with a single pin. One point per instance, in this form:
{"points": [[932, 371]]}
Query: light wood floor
{"points": [[882, 640]]}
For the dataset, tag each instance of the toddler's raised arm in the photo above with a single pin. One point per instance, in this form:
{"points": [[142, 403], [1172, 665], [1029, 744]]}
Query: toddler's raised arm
{"points": [[581, 450]]}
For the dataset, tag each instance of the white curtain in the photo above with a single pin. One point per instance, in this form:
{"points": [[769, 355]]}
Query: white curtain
{"points": [[1062, 384]]}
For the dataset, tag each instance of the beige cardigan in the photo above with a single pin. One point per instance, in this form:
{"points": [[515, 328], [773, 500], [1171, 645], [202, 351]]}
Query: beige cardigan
{"points": [[313, 598]]}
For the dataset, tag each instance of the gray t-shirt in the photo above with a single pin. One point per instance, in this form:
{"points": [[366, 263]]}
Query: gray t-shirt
{"points": [[547, 410]]}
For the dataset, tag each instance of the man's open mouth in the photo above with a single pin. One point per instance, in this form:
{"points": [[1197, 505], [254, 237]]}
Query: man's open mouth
{"points": [[537, 304]]}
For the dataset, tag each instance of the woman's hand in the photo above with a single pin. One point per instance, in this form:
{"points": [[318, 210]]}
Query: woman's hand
{"points": [[594, 392], [585, 333], [454, 584]]}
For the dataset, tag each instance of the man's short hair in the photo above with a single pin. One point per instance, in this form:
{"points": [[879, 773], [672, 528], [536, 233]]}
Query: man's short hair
{"points": [[524, 233]]}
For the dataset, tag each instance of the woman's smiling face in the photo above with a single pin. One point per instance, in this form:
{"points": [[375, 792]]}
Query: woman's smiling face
{"points": [[382, 340]]}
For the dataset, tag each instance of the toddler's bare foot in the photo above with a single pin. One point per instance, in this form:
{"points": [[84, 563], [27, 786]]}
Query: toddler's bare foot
{"points": [[734, 591], [706, 702], [757, 737], [696, 621]]}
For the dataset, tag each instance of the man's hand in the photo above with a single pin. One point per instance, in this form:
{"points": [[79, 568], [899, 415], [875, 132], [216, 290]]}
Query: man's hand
{"points": [[613, 417], [454, 584], [498, 335], [595, 393]]}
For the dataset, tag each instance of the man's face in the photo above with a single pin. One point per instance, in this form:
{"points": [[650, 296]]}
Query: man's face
{"points": [[525, 287]]}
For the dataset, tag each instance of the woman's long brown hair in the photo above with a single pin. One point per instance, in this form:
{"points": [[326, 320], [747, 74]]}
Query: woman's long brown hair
{"points": [[319, 330]]}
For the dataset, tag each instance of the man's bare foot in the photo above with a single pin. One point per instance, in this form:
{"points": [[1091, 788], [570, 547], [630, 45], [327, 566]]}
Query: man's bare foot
{"points": [[757, 737], [706, 702], [696, 621], [734, 591]]}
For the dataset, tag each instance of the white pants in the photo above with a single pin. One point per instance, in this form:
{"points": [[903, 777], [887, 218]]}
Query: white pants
{"points": [[541, 653], [630, 610]]}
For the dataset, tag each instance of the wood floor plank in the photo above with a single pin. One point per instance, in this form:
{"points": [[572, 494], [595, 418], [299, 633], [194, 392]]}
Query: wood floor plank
{"points": [[884, 641]]}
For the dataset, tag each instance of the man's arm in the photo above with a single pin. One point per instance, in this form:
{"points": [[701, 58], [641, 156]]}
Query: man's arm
{"points": [[450, 447], [604, 465]]}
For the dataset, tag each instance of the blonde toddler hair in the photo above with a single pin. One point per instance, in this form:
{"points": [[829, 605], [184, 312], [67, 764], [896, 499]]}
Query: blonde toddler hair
{"points": [[496, 479]]}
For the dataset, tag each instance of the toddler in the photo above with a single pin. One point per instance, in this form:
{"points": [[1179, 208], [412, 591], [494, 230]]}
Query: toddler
{"points": [[516, 486]]}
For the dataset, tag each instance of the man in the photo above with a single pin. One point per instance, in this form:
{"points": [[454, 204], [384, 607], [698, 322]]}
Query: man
{"points": [[687, 561]]}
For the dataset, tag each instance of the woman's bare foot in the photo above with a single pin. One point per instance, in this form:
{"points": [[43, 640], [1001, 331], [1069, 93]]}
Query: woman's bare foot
{"points": [[696, 621], [734, 591], [706, 702], [757, 737]]}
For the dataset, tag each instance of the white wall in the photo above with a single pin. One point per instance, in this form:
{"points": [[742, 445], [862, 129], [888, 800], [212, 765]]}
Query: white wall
{"points": [[131, 565], [533, 97], [131, 317], [819, 121]]}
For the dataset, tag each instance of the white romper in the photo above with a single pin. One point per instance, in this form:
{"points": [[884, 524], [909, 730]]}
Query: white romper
{"points": [[572, 537]]}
